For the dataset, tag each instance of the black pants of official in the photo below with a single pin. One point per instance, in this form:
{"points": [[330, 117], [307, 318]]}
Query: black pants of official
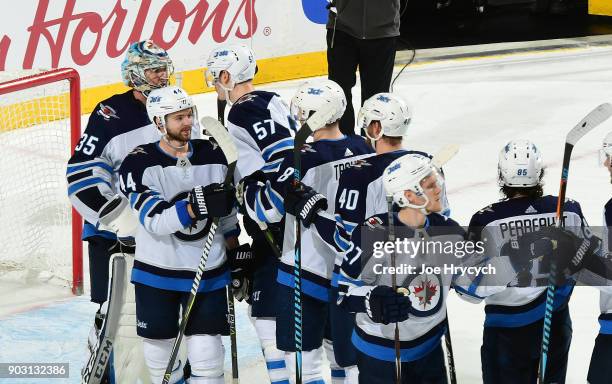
{"points": [[512, 355], [375, 59]]}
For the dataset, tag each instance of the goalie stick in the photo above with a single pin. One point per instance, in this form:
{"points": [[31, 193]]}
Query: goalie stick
{"points": [[93, 371], [590, 121], [224, 140], [231, 312], [316, 121]]}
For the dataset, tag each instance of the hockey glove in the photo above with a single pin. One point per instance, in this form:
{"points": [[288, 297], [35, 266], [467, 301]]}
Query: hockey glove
{"points": [[257, 178], [117, 217], [241, 260], [304, 202], [384, 305], [241, 284], [214, 200], [562, 247]]}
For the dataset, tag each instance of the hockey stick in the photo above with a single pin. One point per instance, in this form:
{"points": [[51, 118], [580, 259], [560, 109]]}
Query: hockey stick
{"points": [[439, 159], [231, 312], [590, 121], [224, 140], [316, 121], [398, 351], [444, 155], [93, 371]]}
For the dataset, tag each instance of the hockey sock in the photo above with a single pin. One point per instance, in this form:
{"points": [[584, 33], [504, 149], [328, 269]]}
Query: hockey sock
{"points": [[157, 354], [312, 366], [206, 356], [275, 358], [338, 375]]}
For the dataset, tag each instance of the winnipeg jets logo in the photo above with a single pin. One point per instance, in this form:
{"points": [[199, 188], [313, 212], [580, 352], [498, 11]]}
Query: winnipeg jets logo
{"points": [[308, 148], [138, 150], [374, 222], [361, 163], [488, 208], [246, 98], [383, 98], [107, 112], [425, 293]]}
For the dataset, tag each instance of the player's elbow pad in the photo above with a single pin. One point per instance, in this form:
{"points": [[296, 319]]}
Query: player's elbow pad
{"points": [[117, 217]]}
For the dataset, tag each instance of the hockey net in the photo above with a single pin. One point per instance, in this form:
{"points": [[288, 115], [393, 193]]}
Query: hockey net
{"points": [[39, 126]]}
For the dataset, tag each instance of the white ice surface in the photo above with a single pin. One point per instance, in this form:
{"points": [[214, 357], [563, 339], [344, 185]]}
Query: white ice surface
{"points": [[477, 103]]}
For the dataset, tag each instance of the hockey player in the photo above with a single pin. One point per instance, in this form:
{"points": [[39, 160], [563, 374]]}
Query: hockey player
{"points": [[322, 162], [514, 313], [366, 290], [173, 186], [385, 118], [116, 126], [600, 370], [258, 122]]}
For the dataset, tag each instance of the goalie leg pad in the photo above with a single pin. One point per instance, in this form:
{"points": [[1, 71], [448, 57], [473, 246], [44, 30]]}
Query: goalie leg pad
{"points": [[157, 355], [206, 356], [275, 358]]}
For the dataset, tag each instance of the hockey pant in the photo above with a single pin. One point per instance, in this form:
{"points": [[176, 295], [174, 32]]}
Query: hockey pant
{"points": [[157, 316], [315, 328], [600, 369], [429, 369], [512, 355]]}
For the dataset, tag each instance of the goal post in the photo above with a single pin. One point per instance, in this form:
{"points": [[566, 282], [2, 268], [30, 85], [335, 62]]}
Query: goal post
{"points": [[40, 125]]}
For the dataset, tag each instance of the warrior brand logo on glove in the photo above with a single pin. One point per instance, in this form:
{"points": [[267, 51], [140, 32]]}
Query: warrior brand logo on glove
{"points": [[199, 194], [584, 247], [309, 204]]}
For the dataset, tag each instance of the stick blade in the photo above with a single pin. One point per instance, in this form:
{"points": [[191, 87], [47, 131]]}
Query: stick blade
{"points": [[222, 137], [445, 154], [590, 121]]}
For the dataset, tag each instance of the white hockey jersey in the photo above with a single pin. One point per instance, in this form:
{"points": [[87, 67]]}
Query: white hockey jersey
{"points": [[362, 270], [115, 127], [169, 242], [499, 224]]}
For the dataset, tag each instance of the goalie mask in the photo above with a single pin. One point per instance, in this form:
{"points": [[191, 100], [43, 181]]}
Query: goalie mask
{"points": [[313, 95], [414, 173], [390, 110], [520, 164], [143, 56], [237, 60], [164, 101]]}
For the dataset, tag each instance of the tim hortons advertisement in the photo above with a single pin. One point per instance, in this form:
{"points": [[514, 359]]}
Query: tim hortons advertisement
{"points": [[93, 36]]}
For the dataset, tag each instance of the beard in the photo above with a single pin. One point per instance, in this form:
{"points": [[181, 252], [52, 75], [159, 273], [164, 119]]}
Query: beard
{"points": [[178, 137]]}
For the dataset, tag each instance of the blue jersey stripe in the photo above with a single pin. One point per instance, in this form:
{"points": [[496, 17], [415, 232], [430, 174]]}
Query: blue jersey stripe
{"points": [[179, 284], [308, 287], [381, 352], [86, 183], [281, 145], [100, 164]]}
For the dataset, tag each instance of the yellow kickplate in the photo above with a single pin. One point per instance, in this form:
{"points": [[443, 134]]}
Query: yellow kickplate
{"points": [[600, 7]]}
